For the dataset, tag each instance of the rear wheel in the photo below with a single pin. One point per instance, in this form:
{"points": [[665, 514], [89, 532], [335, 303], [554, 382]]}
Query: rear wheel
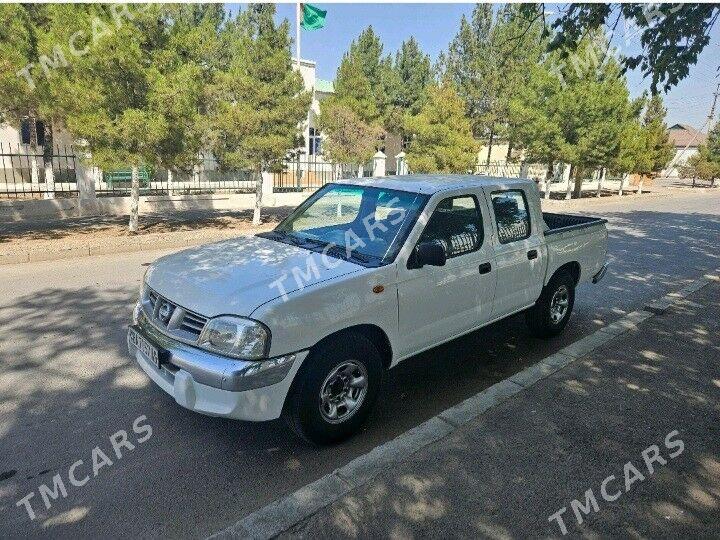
{"points": [[551, 312], [335, 390]]}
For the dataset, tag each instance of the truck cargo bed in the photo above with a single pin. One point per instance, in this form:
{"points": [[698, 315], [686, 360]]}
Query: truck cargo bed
{"points": [[566, 222]]}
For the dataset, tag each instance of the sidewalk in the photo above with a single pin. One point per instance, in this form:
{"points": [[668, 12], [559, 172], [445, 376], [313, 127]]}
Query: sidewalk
{"points": [[528, 456], [52, 239]]}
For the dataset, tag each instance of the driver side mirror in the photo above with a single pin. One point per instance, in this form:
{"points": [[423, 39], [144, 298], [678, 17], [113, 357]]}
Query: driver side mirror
{"points": [[428, 253]]}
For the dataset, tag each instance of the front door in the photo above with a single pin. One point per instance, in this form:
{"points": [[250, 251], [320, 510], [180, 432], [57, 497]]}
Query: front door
{"points": [[437, 303]]}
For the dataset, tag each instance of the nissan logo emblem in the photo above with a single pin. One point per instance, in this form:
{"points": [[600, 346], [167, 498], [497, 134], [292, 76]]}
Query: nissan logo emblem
{"points": [[165, 312]]}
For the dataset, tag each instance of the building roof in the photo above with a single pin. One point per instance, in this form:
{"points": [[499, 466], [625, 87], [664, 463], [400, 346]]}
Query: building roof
{"points": [[682, 135], [434, 183], [321, 85]]}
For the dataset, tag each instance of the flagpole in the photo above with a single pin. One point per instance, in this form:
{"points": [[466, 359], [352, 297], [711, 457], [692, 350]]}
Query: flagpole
{"points": [[297, 33]]}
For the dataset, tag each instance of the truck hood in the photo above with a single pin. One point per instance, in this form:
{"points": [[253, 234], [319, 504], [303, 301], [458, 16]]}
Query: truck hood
{"points": [[236, 276]]}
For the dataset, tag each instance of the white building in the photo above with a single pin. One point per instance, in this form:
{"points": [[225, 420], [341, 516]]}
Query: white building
{"points": [[320, 89], [685, 140]]}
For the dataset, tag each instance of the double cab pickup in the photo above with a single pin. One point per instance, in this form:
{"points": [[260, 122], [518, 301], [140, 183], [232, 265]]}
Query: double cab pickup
{"points": [[301, 322]]}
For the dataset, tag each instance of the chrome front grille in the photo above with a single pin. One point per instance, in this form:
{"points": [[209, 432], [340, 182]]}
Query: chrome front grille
{"points": [[171, 318]]}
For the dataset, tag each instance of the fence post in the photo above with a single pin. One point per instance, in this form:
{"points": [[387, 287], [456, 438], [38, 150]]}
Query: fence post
{"points": [[34, 171], [566, 176], [49, 181], [400, 163], [268, 191], [85, 178], [379, 163]]}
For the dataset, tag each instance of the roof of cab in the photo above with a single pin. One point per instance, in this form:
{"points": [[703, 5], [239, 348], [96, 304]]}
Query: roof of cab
{"points": [[433, 183]]}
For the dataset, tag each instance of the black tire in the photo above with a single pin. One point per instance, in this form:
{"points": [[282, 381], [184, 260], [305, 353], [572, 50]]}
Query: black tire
{"points": [[302, 411], [540, 317]]}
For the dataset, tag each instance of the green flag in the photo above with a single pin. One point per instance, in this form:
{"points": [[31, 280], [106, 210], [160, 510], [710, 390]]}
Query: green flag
{"points": [[313, 18]]}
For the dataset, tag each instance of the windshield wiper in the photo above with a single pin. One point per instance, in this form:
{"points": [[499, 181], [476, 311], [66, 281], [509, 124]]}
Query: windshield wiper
{"points": [[330, 249], [343, 254]]}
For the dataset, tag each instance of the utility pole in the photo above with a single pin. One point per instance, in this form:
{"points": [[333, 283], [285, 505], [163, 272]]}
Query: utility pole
{"points": [[712, 108]]}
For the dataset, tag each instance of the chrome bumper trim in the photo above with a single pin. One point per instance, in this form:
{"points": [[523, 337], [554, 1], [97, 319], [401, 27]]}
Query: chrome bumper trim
{"points": [[215, 370]]}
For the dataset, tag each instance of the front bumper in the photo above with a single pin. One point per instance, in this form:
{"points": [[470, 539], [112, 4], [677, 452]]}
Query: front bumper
{"points": [[216, 385]]}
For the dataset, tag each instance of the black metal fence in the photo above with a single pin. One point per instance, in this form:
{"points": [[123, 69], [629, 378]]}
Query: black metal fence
{"points": [[295, 174], [37, 172], [207, 177], [26, 174]]}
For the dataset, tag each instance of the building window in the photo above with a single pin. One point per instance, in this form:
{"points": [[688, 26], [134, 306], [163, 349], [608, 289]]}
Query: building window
{"points": [[315, 142], [25, 131]]}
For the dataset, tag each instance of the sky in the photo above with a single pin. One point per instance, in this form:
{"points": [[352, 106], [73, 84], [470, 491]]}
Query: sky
{"points": [[435, 25]]}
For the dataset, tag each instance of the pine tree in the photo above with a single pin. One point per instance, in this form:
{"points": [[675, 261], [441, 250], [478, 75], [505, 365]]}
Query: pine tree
{"points": [[351, 140], [136, 99], [442, 138], [413, 72], [706, 163], [659, 147], [257, 100], [488, 61]]}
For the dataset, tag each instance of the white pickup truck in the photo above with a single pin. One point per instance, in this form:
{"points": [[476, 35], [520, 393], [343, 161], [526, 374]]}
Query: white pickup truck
{"points": [[302, 321]]}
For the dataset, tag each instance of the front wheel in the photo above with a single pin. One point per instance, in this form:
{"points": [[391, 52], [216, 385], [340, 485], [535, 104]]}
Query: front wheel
{"points": [[335, 390], [551, 312]]}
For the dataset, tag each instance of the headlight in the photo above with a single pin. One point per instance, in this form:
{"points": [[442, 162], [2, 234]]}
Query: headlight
{"points": [[236, 336]]}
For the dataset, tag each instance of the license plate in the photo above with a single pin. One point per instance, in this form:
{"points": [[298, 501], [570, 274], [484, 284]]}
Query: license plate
{"points": [[148, 350]]}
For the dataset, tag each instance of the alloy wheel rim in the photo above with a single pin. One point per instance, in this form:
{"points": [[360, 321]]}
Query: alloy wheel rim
{"points": [[559, 304], [343, 391]]}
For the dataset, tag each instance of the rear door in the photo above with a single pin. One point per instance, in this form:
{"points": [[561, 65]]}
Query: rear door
{"points": [[436, 303], [518, 251]]}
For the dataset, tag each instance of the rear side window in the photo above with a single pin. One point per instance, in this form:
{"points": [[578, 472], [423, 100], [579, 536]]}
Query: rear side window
{"points": [[511, 214], [457, 224]]}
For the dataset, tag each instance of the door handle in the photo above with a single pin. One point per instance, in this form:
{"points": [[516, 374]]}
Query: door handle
{"points": [[532, 254], [485, 268]]}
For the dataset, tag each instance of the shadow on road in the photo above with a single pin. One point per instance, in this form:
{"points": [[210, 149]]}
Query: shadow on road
{"points": [[171, 221]]}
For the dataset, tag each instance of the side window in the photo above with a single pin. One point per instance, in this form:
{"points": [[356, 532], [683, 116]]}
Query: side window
{"points": [[511, 214], [457, 224]]}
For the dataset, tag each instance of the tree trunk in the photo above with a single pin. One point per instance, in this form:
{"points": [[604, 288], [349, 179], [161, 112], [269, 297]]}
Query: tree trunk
{"points": [[601, 179], [361, 170], [33, 143], [622, 183], [509, 152], [640, 184], [578, 182], [134, 199], [693, 184], [568, 187], [258, 196], [548, 179], [490, 145], [48, 141]]}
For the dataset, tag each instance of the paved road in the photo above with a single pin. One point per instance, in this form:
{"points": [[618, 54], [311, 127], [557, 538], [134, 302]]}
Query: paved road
{"points": [[67, 385]]}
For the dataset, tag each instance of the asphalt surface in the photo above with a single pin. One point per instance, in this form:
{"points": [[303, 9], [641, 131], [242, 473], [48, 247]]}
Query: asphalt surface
{"points": [[67, 385]]}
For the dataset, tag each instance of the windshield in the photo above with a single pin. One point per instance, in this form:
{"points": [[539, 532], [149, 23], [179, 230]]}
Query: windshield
{"points": [[360, 223]]}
